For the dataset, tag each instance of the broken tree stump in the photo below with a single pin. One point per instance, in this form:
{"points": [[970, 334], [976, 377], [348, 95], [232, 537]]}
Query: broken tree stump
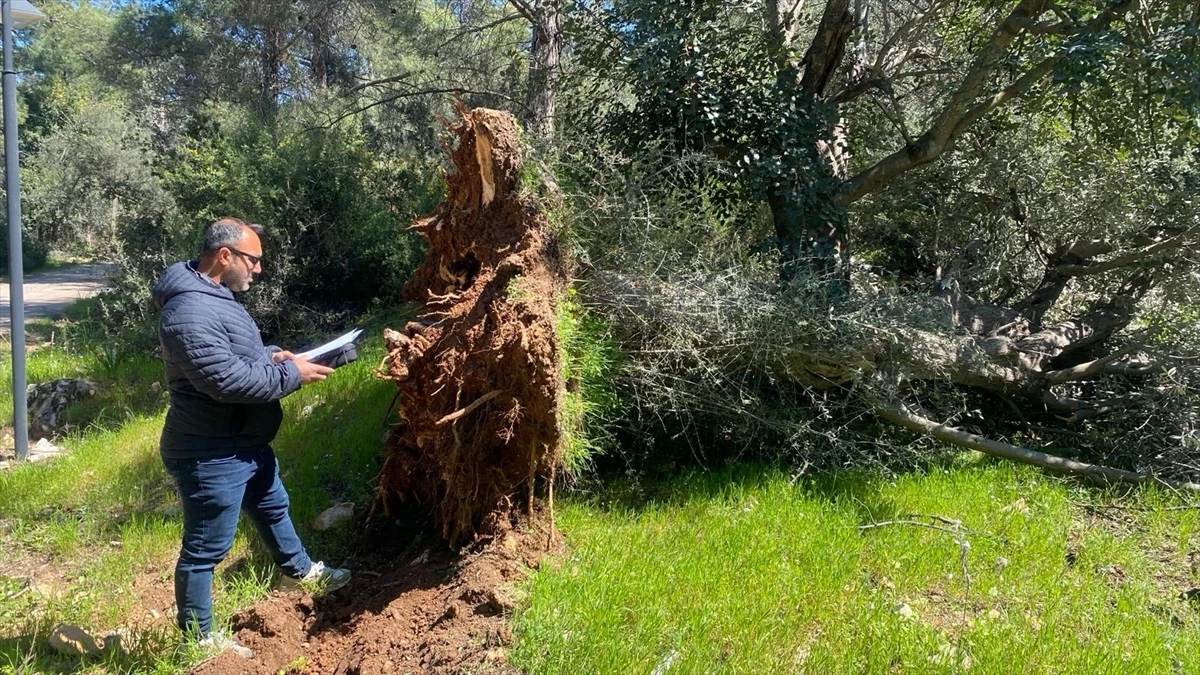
{"points": [[479, 374]]}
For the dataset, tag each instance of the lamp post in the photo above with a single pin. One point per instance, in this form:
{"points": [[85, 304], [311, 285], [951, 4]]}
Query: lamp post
{"points": [[15, 14]]}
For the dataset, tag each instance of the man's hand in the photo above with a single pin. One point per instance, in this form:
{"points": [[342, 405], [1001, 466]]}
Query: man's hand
{"points": [[309, 371], [281, 356]]}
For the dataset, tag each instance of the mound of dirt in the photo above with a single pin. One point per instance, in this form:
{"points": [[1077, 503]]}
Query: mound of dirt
{"points": [[479, 371], [411, 607]]}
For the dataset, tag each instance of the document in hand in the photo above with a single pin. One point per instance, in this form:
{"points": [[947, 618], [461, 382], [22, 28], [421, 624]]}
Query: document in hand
{"points": [[336, 352]]}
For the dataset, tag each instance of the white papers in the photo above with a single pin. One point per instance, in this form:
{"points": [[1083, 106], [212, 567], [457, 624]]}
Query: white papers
{"points": [[331, 345]]}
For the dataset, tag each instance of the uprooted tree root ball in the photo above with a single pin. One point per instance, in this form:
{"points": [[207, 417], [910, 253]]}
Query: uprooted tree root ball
{"points": [[479, 370]]}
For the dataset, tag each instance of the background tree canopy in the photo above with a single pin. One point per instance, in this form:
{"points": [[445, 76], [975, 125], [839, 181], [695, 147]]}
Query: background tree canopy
{"points": [[792, 218]]}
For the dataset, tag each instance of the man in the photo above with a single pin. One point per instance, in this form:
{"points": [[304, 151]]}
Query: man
{"points": [[225, 389]]}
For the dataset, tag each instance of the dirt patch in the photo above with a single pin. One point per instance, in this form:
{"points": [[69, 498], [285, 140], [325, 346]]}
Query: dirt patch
{"points": [[409, 609], [478, 371]]}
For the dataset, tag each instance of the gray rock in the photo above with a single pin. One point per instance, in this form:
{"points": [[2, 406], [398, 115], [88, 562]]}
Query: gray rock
{"points": [[502, 599], [48, 400], [334, 516], [73, 641]]}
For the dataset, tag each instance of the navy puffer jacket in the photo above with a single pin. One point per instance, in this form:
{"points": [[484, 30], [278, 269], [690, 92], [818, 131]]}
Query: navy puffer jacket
{"points": [[224, 388]]}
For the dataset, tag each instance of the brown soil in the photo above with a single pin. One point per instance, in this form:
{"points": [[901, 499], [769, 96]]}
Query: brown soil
{"points": [[408, 609], [478, 372]]}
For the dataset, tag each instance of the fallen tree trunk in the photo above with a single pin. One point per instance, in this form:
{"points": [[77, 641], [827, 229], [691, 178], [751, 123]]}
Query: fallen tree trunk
{"points": [[717, 342], [478, 372]]}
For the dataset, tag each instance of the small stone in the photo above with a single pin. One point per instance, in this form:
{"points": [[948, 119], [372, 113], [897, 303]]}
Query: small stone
{"points": [[905, 611], [509, 542], [994, 614], [115, 642], [502, 599], [155, 615], [48, 400], [451, 612], [421, 559], [43, 449], [496, 656], [73, 641], [334, 516]]}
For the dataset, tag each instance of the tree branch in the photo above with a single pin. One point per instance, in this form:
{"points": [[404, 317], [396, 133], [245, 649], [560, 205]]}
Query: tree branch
{"points": [[1099, 324], [381, 81], [1130, 258], [525, 9], [828, 46], [781, 29], [1017, 88], [412, 94], [459, 34], [961, 110], [898, 413], [1089, 369], [853, 91]]}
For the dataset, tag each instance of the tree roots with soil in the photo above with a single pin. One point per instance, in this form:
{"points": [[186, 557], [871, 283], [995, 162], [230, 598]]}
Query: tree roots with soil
{"points": [[479, 375]]}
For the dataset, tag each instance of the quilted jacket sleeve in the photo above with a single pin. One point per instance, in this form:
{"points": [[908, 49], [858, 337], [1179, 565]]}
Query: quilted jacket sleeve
{"points": [[191, 335]]}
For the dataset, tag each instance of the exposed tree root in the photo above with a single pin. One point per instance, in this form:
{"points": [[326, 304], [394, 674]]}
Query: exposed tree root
{"points": [[478, 372]]}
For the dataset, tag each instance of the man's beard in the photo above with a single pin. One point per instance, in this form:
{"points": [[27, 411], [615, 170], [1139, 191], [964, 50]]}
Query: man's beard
{"points": [[237, 281]]}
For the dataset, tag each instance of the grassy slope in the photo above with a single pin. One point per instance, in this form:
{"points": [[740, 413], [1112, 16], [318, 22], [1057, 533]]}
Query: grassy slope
{"points": [[744, 572], [106, 515]]}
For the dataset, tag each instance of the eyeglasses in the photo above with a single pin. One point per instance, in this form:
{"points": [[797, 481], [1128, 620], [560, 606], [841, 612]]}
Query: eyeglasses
{"points": [[254, 259]]}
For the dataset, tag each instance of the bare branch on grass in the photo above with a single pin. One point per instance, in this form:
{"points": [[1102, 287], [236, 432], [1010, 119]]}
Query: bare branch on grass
{"points": [[899, 414]]}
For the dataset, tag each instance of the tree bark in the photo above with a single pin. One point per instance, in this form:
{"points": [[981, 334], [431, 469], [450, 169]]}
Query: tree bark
{"points": [[270, 87], [812, 231], [545, 58], [811, 228], [319, 70]]}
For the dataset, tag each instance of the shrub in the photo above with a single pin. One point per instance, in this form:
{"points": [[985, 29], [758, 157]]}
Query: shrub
{"points": [[33, 255], [335, 214]]}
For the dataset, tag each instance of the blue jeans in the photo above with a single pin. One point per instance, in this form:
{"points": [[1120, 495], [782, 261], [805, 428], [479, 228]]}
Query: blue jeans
{"points": [[212, 492]]}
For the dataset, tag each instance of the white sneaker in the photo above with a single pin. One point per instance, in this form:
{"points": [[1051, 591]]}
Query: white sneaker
{"points": [[320, 579], [217, 643]]}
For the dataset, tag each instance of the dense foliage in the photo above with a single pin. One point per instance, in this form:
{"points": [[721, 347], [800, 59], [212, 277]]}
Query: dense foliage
{"points": [[144, 122], [790, 215]]}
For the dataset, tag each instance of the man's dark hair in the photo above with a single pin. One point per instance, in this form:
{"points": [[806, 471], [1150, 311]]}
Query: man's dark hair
{"points": [[226, 233]]}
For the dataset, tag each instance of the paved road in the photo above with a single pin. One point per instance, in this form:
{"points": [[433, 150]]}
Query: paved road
{"points": [[49, 292]]}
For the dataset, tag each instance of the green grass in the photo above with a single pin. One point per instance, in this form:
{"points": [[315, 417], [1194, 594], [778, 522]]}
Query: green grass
{"points": [[744, 571], [101, 524], [126, 384]]}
